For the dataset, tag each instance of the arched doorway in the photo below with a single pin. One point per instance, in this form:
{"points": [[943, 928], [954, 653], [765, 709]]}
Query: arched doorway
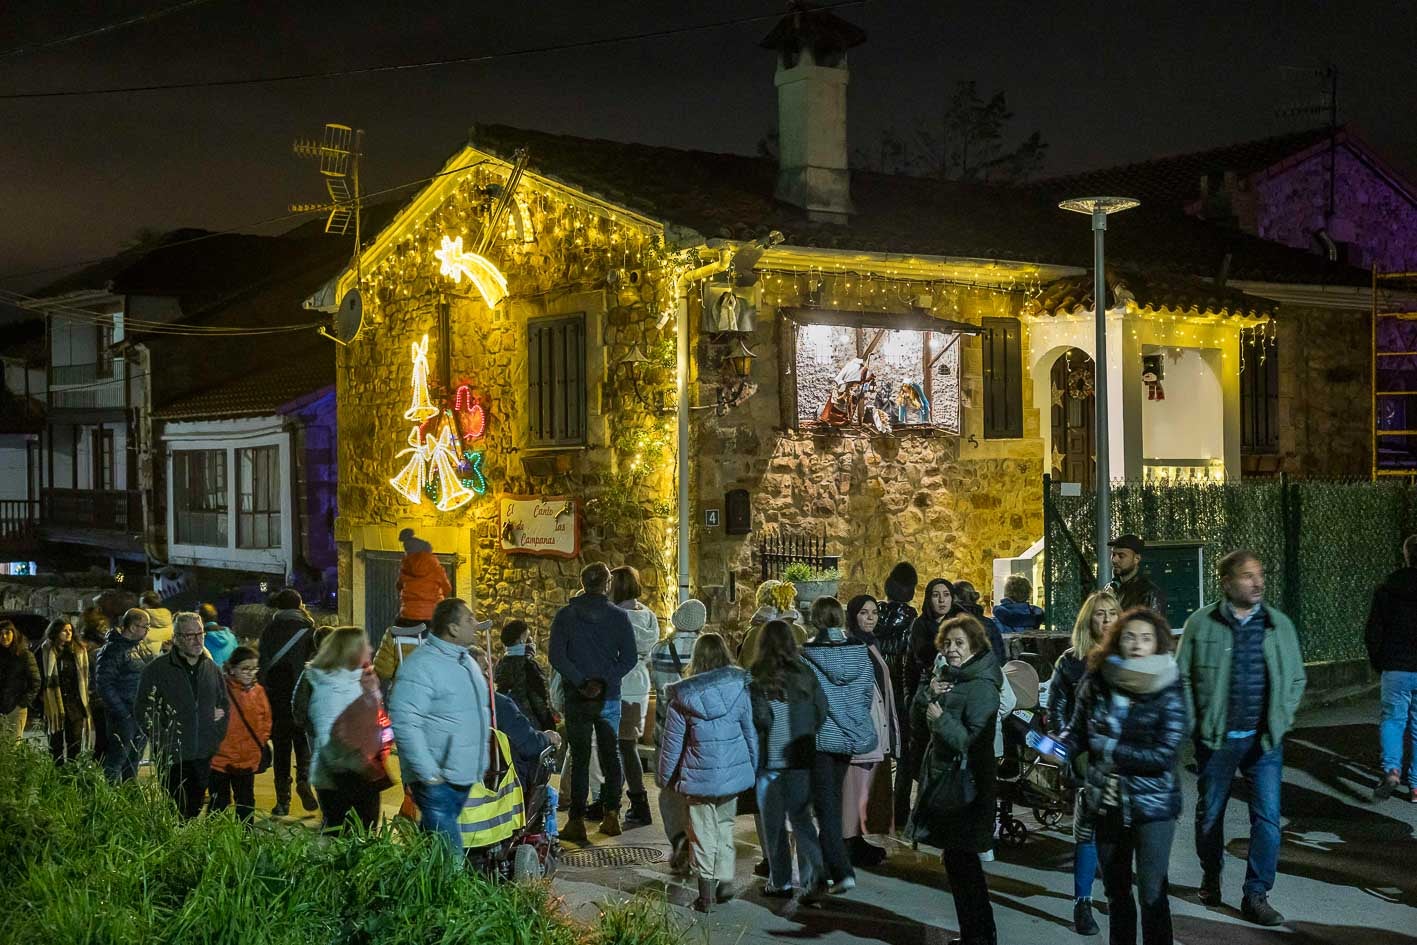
{"points": [[1074, 418]]}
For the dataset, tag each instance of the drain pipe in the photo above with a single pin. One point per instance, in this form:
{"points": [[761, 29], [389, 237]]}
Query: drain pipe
{"points": [[681, 296]]}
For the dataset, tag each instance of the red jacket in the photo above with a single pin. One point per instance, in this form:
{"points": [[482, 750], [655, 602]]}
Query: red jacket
{"points": [[422, 583], [239, 751]]}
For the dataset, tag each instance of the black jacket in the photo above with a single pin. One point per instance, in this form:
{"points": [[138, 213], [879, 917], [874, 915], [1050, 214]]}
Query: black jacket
{"points": [[1391, 635], [1140, 748], [19, 677], [1140, 591], [893, 638], [526, 742], [806, 711], [521, 679], [117, 671], [591, 639], [1063, 689], [280, 678], [177, 706]]}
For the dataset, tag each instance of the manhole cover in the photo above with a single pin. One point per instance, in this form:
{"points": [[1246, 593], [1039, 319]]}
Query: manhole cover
{"points": [[611, 856]]}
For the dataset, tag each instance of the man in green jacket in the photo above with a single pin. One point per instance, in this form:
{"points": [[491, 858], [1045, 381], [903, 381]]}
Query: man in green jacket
{"points": [[1244, 677]]}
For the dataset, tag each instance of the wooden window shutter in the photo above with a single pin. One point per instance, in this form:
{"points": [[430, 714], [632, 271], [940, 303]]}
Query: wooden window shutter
{"points": [[1003, 378], [556, 379]]}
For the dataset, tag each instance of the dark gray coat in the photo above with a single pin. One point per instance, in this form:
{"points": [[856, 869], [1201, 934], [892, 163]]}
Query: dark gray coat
{"points": [[177, 708]]}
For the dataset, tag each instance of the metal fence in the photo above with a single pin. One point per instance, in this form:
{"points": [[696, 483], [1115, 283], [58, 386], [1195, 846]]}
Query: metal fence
{"points": [[1325, 544]]}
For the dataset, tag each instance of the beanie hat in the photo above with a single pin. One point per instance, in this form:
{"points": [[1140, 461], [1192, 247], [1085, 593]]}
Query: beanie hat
{"points": [[690, 616], [900, 585], [412, 542]]}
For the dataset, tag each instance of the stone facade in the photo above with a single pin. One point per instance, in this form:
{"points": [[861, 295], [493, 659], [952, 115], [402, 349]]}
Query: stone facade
{"points": [[948, 503], [1325, 392], [566, 257]]}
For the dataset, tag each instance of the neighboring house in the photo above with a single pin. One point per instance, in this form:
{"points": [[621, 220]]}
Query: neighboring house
{"points": [[22, 410], [620, 273]]}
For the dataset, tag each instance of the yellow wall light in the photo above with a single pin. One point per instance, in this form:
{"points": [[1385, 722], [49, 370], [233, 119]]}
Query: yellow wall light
{"points": [[485, 277]]}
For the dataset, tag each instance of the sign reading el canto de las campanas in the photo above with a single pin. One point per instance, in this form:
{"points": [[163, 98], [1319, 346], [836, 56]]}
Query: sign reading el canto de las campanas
{"points": [[541, 525]]}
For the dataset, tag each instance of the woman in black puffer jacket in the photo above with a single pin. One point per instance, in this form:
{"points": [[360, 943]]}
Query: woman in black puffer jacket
{"points": [[1130, 717]]}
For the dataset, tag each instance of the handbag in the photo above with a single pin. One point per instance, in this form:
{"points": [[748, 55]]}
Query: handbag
{"points": [[267, 753], [953, 791], [364, 731]]}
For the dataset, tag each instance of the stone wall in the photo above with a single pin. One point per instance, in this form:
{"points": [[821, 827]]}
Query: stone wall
{"points": [[575, 260], [1325, 392], [948, 503]]}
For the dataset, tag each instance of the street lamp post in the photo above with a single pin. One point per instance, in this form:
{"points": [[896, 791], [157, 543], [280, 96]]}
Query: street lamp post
{"points": [[1098, 208]]}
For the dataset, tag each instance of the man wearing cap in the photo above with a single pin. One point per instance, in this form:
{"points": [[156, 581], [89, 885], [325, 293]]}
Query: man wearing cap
{"points": [[1133, 589], [442, 723], [593, 647]]}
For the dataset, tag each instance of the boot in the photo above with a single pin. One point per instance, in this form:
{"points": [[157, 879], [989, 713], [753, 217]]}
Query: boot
{"points": [[1386, 786], [610, 824], [639, 815], [574, 831], [1083, 922], [864, 854], [307, 796], [595, 810], [1210, 889], [708, 890], [1257, 909], [282, 808]]}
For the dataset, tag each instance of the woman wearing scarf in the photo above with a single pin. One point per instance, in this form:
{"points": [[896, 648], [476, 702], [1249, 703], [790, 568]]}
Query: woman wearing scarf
{"points": [[1130, 717], [866, 793], [64, 669]]}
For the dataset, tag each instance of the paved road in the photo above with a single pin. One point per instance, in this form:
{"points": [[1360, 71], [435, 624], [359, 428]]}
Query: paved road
{"points": [[1347, 872]]}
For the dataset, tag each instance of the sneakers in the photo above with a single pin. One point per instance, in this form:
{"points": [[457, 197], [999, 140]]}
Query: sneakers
{"points": [[307, 796], [1083, 922], [610, 824], [1413, 796], [1210, 889], [1386, 786], [843, 885], [1257, 909], [573, 831]]}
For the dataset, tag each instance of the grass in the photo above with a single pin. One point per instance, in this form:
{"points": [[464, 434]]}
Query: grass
{"points": [[85, 861]]}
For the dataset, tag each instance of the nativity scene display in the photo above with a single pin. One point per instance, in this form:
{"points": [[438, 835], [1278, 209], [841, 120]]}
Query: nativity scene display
{"points": [[877, 380]]}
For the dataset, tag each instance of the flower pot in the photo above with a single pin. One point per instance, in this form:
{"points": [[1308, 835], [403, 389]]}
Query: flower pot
{"points": [[808, 591]]}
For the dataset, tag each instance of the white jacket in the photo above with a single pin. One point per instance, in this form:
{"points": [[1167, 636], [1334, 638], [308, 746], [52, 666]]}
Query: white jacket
{"points": [[331, 692], [636, 684]]}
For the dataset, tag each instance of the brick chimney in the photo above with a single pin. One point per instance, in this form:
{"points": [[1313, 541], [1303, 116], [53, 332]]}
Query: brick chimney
{"points": [[811, 82]]}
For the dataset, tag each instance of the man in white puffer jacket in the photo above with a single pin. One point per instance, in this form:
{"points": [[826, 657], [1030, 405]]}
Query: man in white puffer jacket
{"points": [[441, 719]]}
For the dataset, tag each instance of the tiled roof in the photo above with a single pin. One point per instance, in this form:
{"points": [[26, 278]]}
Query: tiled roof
{"points": [[1151, 291], [257, 394], [1175, 181], [731, 196]]}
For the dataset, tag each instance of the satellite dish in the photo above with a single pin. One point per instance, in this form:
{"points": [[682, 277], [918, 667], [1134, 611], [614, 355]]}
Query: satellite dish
{"points": [[349, 320]]}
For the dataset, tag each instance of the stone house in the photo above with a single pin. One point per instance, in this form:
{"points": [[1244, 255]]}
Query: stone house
{"points": [[655, 338]]}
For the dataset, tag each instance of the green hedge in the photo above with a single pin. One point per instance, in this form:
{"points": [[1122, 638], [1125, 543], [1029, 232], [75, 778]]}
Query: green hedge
{"points": [[83, 861]]}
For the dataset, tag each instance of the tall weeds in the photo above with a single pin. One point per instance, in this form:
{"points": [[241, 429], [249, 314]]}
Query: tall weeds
{"points": [[84, 861]]}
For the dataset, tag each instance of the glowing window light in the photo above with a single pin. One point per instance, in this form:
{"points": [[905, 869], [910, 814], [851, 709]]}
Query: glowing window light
{"points": [[484, 276]]}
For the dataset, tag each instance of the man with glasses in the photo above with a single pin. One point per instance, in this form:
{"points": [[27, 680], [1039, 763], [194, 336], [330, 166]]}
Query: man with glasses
{"points": [[118, 669], [182, 702]]}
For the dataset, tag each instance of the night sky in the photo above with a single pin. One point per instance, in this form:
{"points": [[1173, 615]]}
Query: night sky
{"points": [[1105, 83]]}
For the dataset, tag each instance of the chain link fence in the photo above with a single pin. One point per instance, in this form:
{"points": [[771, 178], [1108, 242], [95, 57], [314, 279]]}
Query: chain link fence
{"points": [[1325, 544]]}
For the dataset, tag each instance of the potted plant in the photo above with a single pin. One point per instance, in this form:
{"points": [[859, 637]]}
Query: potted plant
{"points": [[811, 582]]}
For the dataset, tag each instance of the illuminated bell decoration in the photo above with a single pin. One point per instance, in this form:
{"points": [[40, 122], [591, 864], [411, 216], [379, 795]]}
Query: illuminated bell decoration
{"points": [[422, 407], [412, 479], [453, 494], [484, 276]]}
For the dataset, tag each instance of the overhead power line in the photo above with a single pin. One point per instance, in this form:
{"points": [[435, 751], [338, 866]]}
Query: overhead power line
{"points": [[158, 14], [408, 66]]}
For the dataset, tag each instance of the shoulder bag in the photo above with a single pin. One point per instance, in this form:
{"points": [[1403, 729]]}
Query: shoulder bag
{"points": [[266, 751]]}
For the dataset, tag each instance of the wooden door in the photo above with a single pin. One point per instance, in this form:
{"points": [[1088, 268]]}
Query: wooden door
{"points": [[1073, 411]]}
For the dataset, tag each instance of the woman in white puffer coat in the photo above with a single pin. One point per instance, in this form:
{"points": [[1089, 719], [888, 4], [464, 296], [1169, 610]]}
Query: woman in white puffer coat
{"points": [[634, 689]]}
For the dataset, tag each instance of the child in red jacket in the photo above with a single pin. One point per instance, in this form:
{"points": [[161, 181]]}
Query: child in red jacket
{"points": [[239, 757]]}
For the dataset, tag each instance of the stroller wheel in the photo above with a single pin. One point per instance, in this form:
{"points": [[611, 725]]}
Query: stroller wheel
{"points": [[1048, 818], [526, 865], [1014, 833]]}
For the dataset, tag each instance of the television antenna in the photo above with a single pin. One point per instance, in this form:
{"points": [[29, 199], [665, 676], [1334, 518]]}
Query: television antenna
{"points": [[337, 155]]}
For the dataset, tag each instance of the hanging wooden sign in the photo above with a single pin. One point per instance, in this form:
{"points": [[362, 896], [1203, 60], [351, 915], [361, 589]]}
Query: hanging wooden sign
{"points": [[549, 526]]}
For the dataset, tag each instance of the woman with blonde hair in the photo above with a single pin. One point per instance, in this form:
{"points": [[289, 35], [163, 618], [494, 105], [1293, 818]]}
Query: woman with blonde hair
{"points": [[1096, 617], [64, 669], [344, 697], [775, 600], [709, 754]]}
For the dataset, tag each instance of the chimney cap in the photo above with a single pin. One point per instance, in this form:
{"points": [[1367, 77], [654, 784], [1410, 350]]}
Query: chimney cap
{"points": [[824, 33]]}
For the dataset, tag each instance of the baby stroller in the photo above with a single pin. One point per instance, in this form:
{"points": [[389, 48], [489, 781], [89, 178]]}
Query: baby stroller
{"points": [[509, 830], [1025, 779]]}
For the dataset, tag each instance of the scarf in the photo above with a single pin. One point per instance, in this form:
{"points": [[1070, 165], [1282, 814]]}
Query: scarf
{"points": [[520, 649], [1140, 677]]}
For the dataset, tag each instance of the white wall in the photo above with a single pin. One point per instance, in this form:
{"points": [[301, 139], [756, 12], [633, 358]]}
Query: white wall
{"points": [[13, 478], [1048, 338], [1187, 424]]}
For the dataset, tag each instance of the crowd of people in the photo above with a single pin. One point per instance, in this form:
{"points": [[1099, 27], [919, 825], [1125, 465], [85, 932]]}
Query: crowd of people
{"points": [[864, 719]]}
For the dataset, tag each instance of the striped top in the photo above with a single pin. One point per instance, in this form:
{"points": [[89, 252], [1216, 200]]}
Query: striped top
{"points": [[778, 736]]}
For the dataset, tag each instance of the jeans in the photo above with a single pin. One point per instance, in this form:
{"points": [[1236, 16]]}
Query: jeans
{"points": [[1265, 772], [630, 765], [971, 895], [351, 793], [439, 806], [1150, 845], [1084, 868], [786, 796], [1399, 723], [225, 785], [601, 716], [125, 748], [828, 776], [186, 783], [286, 737]]}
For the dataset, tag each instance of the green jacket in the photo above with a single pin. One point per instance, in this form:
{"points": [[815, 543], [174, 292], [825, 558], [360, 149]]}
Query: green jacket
{"points": [[1204, 660]]}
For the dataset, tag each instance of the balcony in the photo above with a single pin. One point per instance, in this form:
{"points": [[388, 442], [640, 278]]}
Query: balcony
{"points": [[112, 510], [86, 386], [19, 519], [73, 375]]}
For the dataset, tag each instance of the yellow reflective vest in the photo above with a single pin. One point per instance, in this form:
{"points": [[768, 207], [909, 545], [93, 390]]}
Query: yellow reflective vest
{"points": [[492, 815]]}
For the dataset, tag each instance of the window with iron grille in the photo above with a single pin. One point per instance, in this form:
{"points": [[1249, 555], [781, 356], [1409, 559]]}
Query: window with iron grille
{"points": [[199, 497], [258, 497], [1259, 395], [556, 405], [1003, 378]]}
